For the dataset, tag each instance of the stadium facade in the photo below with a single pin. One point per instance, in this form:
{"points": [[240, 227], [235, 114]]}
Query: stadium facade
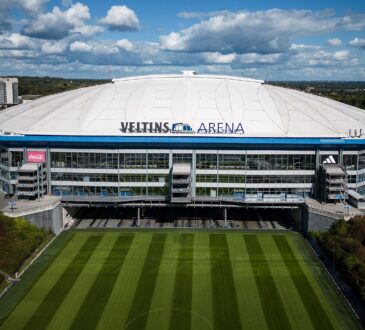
{"points": [[184, 138]]}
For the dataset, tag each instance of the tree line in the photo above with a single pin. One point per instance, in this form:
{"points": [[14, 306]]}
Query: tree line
{"points": [[345, 241]]}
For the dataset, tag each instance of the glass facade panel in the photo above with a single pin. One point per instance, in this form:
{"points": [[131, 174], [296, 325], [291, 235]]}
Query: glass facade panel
{"points": [[232, 178], [132, 177], [206, 178], [281, 162], [349, 162], [228, 162], [131, 161], [279, 179], [4, 157], [182, 158], [16, 158], [206, 161], [84, 160], [158, 160], [85, 177]]}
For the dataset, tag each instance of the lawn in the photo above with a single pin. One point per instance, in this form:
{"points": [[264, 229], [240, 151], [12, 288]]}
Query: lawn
{"points": [[176, 280]]}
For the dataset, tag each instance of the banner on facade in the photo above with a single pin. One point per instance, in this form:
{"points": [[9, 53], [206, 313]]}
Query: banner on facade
{"points": [[36, 156]]}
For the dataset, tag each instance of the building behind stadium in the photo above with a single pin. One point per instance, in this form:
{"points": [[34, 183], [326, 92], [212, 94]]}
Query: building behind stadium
{"points": [[183, 139]]}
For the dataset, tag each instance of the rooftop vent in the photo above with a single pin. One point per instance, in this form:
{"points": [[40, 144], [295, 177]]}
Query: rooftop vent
{"points": [[189, 73]]}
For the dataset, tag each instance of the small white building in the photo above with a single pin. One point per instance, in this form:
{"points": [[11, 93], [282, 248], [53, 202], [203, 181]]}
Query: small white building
{"points": [[8, 91]]}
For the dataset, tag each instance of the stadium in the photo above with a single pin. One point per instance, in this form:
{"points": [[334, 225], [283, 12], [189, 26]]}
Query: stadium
{"points": [[188, 152], [182, 139]]}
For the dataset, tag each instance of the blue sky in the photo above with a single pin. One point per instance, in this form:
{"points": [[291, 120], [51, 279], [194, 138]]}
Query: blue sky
{"points": [[292, 40]]}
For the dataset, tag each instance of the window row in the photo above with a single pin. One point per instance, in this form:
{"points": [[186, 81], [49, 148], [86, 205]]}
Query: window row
{"points": [[108, 191], [257, 192], [109, 160], [255, 162], [106, 177], [254, 178]]}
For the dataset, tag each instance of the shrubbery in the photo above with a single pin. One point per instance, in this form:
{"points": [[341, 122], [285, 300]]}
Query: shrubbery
{"points": [[18, 240], [346, 242]]}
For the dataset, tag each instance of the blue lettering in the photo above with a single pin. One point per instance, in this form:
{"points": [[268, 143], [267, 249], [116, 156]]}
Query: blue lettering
{"points": [[202, 128], [229, 129], [211, 128], [239, 129], [220, 128]]}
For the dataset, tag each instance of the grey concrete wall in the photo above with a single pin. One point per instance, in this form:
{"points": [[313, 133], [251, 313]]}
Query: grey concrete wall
{"points": [[316, 222], [51, 219]]}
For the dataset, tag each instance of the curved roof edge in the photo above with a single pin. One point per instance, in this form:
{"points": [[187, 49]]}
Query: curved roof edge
{"points": [[187, 74]]}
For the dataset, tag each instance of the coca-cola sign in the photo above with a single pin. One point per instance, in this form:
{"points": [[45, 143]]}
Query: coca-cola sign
{"points": [[36, 156]]}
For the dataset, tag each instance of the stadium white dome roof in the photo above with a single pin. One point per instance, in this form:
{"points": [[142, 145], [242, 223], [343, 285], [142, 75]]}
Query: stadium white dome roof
{"points": [[263, 110]]}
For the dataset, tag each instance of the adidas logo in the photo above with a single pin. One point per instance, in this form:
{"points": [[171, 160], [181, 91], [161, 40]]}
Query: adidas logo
{"points": [[329, 160]]}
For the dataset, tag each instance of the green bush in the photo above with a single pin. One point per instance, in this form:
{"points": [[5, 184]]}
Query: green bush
{"points": [[346, 242], [18, 240]]}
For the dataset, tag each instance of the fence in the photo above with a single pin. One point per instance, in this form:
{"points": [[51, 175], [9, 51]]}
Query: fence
{"points": [[327, 261]]}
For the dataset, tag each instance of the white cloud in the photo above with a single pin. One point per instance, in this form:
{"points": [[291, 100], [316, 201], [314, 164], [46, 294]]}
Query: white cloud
{"points": [[80, 46], [192, 14], [54, 47], [334, 42], [94, 48], [218, 58], [121, 18], [270, 31], [58, 24], [88, 30], [15, 41], [28, 6], [31, 6], [341, 55], [125, 44], [357, 42]]}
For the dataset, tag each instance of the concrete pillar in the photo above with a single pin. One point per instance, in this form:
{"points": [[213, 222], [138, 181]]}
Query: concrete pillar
{"points": [[138, 216], [193, 173], [225, 217], [48, 169]]}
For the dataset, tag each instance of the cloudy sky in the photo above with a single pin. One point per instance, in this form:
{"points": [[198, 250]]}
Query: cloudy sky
{"points": [[289, 40]]}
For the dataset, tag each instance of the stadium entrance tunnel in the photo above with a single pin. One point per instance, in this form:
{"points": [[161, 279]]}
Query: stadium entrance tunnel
{"points": [[180, 217]]}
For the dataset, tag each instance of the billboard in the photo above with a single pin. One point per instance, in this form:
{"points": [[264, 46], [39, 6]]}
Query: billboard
{"points": [[36, 156]]}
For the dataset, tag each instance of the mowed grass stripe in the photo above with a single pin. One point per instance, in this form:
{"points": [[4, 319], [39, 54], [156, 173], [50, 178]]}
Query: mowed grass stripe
{"points": [[202, 301], [121, 297], [89, 314], [180, 317], [33, 294], [138, 312], [59, 291], [272, 304], [248, 298], [313, 306], [225, 306]]}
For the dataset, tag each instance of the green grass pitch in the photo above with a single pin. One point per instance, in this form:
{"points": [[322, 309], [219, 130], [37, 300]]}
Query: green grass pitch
{"points": [[139, 279]]}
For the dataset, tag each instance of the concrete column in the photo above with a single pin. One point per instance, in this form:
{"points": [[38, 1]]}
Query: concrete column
{"points": [[316, 179], [225, 217], [48, 160], [193, 173], [138, 216], [340, 157]]}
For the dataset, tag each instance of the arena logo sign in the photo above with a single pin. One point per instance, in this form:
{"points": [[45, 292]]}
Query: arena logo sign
{"points": [[182, 128]]}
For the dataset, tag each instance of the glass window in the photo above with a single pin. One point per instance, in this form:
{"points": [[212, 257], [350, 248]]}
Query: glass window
{"points": [[206, 161], [349, 162], [182, 158], [227, 162], [131, 161], [16, 158], [158, 160]]}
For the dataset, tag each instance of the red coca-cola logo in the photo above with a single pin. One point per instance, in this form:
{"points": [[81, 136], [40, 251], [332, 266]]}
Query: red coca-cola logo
{"points": [[36, 156]]}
